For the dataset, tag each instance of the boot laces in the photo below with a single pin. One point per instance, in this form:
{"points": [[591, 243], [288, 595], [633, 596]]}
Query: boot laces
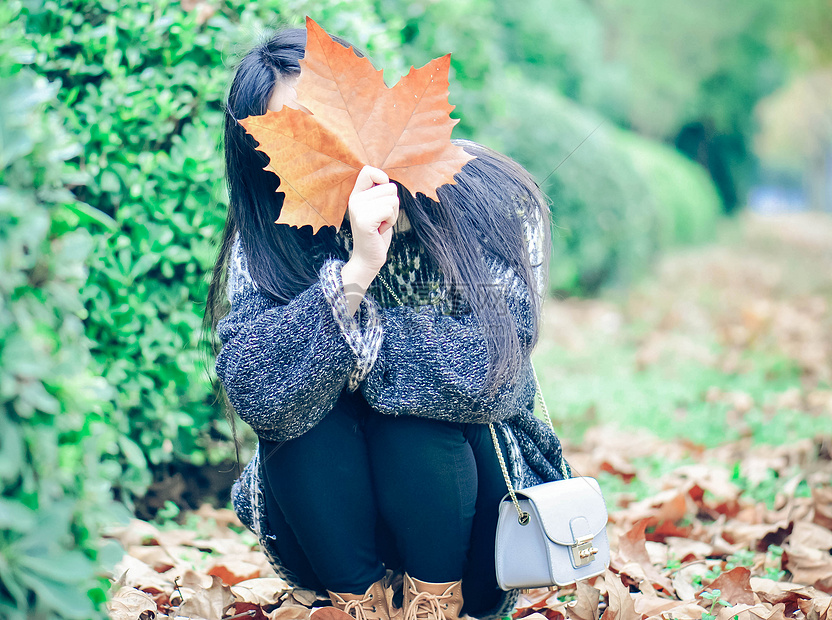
{"points": [[356, 608], [427, 606]]}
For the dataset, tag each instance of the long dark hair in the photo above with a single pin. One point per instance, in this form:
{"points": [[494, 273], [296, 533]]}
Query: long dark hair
{"points": [[484, 211]]}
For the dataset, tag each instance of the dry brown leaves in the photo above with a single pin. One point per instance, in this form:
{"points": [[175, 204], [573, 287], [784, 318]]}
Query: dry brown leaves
{"points": [[208, 573], [675, 549], [671, 550], [770, 291]]}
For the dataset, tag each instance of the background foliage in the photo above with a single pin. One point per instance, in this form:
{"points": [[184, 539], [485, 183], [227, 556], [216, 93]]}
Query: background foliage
{"points": [[112, 200], [53, 432]]}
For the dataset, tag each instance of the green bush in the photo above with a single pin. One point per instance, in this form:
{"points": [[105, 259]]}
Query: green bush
{"points": [[689, 204], [606, 227], [56, 492], [612, 198]]}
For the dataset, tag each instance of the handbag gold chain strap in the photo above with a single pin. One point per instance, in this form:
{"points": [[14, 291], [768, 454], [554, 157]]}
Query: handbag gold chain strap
{"points": [[522, 515]]}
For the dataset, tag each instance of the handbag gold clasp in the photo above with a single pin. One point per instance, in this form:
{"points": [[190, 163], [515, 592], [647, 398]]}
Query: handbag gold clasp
{"points": [[583, 551]]}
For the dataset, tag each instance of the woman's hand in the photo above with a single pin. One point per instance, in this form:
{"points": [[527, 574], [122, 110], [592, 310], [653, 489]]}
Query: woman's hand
{"points": [[373, 210]]}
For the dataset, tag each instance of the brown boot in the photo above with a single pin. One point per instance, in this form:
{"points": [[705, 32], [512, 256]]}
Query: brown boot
{"points": [[431, 601], [374, 604]]}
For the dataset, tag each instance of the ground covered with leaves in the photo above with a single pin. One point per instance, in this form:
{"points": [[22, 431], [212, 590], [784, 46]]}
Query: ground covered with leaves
{"points": [[701, 400]]}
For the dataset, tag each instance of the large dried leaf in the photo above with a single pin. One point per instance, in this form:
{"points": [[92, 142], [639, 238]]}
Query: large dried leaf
{"points": [[262, 591], [810, 566], [232, 571], [204, 602], [621, 605], [632, 548], [351, 119], [585, 606], [811, 535], [129, 603], [774, 593], [734, 587], [817, 609]]}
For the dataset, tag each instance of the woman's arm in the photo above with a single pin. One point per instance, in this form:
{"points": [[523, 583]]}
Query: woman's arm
{"points": [[435, 365], [284, 366]]}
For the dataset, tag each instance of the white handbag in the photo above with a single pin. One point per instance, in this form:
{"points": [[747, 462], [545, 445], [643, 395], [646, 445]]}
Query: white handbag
{"points": [[551, 534]]}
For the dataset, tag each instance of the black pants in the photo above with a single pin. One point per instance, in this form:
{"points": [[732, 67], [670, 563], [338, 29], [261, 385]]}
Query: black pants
{"points": [[363, 491]]}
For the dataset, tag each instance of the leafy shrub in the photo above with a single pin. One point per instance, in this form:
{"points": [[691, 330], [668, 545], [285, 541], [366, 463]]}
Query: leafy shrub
{"points": [[688, 204], [511, 78], [56, 492], [606, 227]]}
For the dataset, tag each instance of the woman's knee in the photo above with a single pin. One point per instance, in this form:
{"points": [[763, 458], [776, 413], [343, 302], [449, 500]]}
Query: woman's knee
{"points": [[425, 478]]}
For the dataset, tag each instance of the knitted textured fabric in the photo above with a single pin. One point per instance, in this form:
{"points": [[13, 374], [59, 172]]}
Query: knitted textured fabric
{"points": [[414, 276], [284, 366]]}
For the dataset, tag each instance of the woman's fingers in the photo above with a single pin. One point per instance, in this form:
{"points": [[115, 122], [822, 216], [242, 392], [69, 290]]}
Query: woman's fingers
{"points": [[369, 176], [377, 204], [380, 191], [373, 211], [390, 220]]}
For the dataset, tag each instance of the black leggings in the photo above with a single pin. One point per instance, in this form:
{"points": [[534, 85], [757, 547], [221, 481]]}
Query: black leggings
{"points": [[363, 491]]}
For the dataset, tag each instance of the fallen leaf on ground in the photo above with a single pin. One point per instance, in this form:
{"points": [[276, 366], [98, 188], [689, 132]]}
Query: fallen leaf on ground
{"points": [[621, 606], [734, 587], [631, 548], [299, 612], [129, 603], [585, 606], [809, 566], [817, 609], [232, 571], [262, 591], [811, 535]]}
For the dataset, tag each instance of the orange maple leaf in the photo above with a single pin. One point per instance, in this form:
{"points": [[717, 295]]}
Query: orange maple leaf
{"points": [[354, 120]]}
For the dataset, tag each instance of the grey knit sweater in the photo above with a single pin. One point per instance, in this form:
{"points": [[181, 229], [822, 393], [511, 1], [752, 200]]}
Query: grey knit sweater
{"points": [[284, 366]]}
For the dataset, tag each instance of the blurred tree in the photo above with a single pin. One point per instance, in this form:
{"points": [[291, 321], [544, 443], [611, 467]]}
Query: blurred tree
{"points": [[796, 134], [695, 72], [563, 46], [688, 74], [808, 25], [510, 69]]}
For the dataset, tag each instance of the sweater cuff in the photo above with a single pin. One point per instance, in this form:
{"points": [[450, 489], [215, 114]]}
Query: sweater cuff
{"points": [[364, 339]]}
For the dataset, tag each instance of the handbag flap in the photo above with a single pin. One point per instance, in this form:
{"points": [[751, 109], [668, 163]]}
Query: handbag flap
{"points": [[569, 509]]}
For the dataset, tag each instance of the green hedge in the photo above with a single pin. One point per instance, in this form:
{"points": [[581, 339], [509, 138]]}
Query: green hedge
{"points": [[56, 490], [612, 198], [111, 201], [617, 198], [606, 228], [688, 203]]}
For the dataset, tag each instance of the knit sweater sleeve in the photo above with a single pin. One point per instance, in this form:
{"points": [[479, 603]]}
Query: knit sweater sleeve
{"points": [[284, 366], [435, 364]]}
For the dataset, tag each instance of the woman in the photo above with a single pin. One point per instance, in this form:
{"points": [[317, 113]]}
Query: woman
{"points": [[370, 360]]}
